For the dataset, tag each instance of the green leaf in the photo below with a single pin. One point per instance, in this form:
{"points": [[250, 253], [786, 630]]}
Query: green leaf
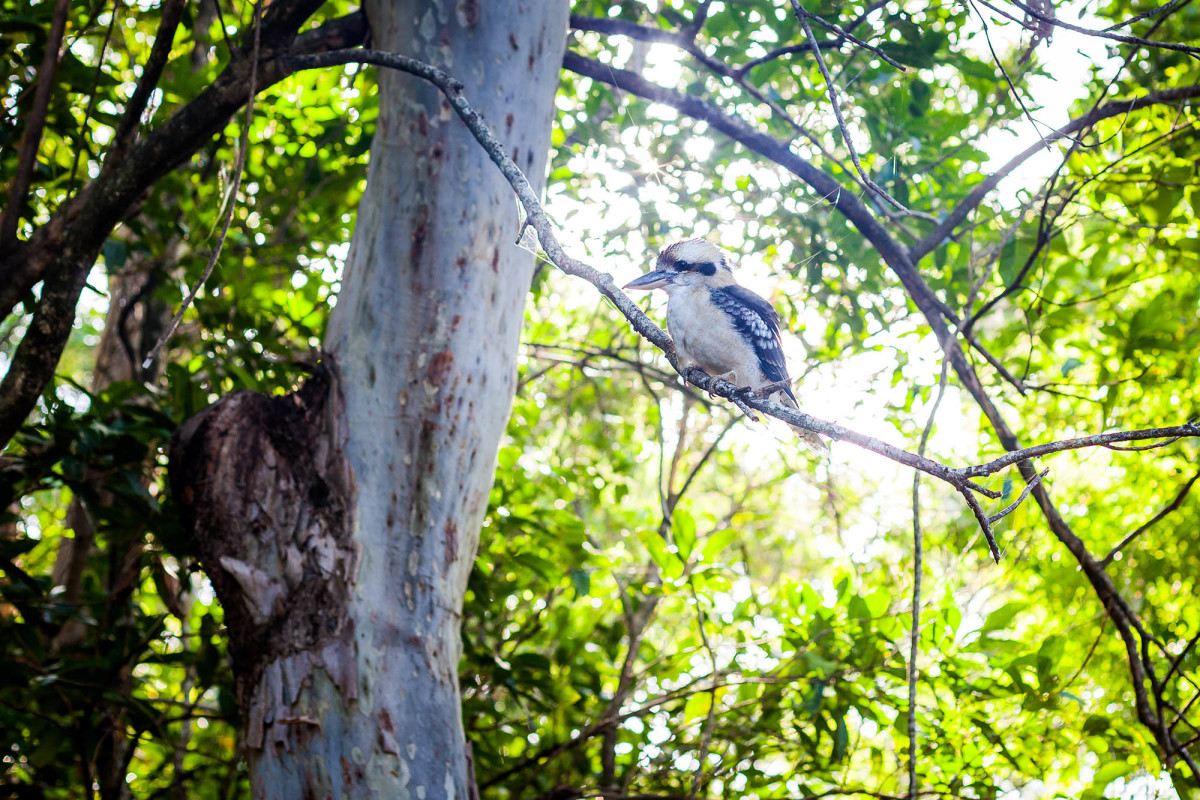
{"points": [[717, 542], [1070, 365], [683, 529], [841, 740], [116, 253], [1105, 775], [697, 706], [668, 562], [582, 582]]}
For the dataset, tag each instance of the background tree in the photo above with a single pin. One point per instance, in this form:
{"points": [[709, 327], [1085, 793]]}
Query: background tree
{"points": [[619, 640]]}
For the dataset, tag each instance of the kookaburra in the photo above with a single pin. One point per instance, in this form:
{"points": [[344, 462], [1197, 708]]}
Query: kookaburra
{"points": [[723, 328]]}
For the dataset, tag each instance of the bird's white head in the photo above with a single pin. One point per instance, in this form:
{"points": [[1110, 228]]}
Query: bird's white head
{"points": [[690, 262]]}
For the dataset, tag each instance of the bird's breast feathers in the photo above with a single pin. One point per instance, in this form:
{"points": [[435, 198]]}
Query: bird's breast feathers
{"points": [[727, 330]]}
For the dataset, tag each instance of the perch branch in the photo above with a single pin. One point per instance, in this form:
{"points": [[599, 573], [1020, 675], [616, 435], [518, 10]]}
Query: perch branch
{"points": [[537, 218]]}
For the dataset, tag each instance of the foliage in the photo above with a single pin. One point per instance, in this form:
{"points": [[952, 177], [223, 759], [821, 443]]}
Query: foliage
{"points": [[667, 601]]}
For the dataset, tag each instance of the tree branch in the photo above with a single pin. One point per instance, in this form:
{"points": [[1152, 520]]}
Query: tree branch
{"points": [[160, 51], [831, 90], [1100, 34], [238, 169], [827, 44], [826, 186], [686, 40], [621, 27], [1152, 12], [37, 355], [32, 140], [1011, 507], [63, 250], [81, 225], [1188, 429]]}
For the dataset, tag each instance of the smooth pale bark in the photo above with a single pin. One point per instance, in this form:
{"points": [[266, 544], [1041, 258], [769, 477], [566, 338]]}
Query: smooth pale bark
{"points": [[339, 524], [425, 332]]}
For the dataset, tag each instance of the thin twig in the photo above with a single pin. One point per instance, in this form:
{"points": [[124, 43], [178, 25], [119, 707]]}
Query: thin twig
{"points": [[686, 40], [1011, 86], [1103, 34], [1178, 659], [983, 490], [238, 167], [160, 53], [829, 44], [1172, 440], [831, 90], [1152, 12], [982, 519], [706, 737], [1011, 507], [855, 40], [1145, 526], [712, 448], [978, 193], [1190, 429], [91, 106], [914, 635]]}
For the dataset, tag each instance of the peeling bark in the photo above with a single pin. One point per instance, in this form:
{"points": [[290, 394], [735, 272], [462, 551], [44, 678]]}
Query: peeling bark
{"points": [[265, 491]]}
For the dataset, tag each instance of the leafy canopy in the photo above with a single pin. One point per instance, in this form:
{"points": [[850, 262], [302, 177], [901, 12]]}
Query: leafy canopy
{"points": [[667, 601]]}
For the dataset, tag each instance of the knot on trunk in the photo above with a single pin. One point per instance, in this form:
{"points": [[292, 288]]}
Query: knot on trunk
{"points": [[265, 497]]}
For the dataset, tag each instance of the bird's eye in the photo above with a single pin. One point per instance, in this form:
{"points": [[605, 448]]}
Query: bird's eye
{"points": [[683, 266], [708, 269]]}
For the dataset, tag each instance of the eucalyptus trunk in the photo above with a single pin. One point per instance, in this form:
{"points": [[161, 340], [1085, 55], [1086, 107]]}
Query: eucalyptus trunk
{"points": [[339, 524]]}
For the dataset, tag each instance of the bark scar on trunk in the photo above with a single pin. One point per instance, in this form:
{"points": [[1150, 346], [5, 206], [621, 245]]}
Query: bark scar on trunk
{"points": [[265, 496]]}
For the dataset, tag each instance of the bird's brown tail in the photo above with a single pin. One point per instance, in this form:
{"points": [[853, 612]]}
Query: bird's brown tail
{"points": [[811, 439]]}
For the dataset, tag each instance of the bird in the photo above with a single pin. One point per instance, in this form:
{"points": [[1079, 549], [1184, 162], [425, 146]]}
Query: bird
{"points": [[720, 326]]}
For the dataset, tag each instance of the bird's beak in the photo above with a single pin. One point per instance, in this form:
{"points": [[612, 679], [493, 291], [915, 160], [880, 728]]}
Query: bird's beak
{"points": [[651, 280]]}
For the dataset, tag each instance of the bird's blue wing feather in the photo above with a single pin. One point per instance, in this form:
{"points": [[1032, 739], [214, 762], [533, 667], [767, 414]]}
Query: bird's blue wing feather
{"points": [[757, 321]]}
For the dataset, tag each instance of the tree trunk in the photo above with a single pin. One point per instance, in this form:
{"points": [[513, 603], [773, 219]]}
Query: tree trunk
{"points": [[339, 524]]}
